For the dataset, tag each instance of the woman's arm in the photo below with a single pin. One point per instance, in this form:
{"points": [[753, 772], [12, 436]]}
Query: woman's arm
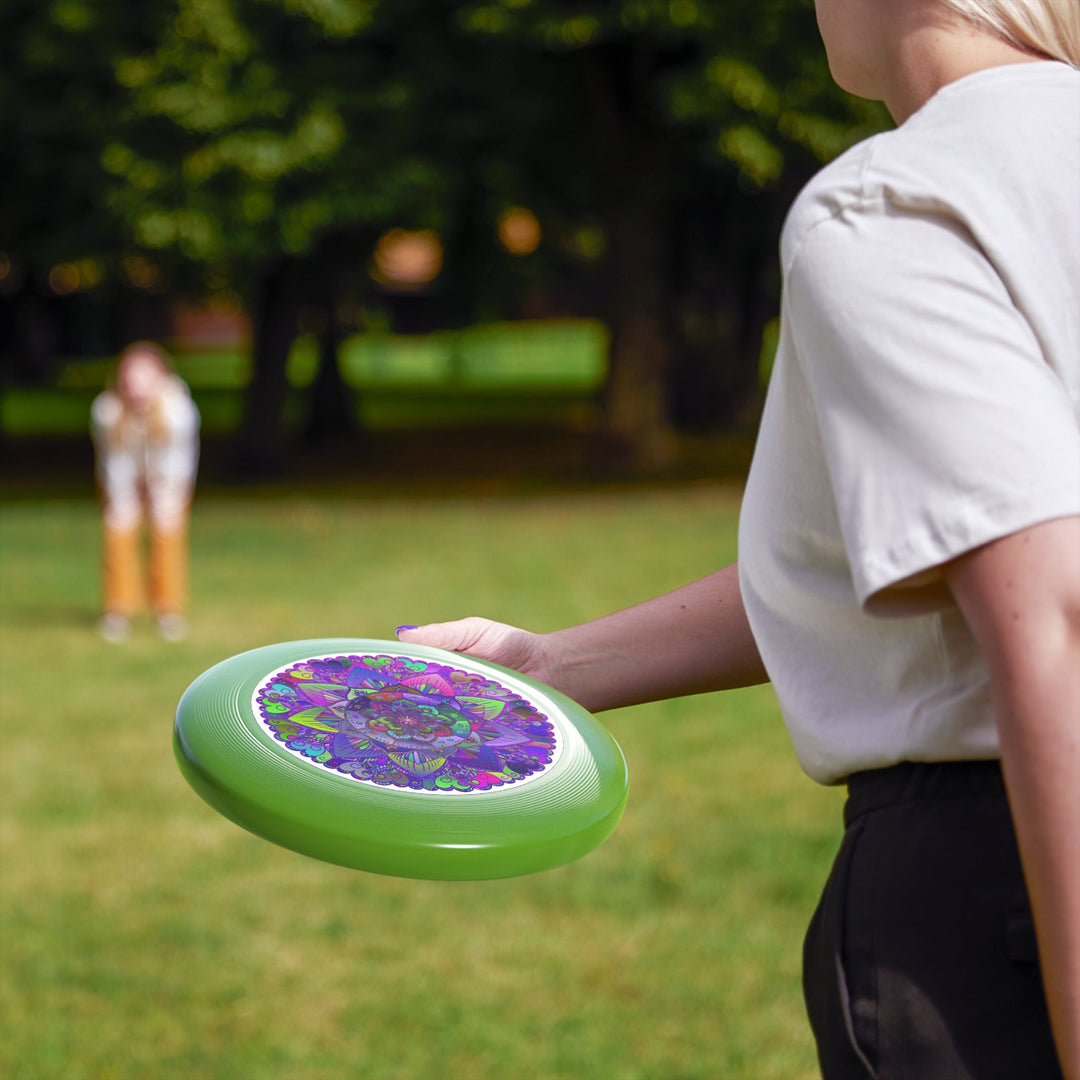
{"points": [[689, 641], [1021, 598]]}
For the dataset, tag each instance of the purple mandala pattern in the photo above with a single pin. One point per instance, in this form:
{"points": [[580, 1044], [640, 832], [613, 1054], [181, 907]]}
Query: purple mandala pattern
{"points": [[403, 723]]}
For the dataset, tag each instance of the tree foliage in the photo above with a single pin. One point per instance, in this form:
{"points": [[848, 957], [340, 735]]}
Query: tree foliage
{"points": [[263, 145]]}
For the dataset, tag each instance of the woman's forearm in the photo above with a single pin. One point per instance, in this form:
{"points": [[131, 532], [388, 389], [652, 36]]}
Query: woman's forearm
{"points": [[689, 641], [1021, 598], [1039, 728]]}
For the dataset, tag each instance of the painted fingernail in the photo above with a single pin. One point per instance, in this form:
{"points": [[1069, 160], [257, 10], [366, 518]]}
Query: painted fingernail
{"points": [[398, 629]]}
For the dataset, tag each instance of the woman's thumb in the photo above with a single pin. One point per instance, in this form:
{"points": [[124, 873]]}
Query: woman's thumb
{"points": [[455, 636]]}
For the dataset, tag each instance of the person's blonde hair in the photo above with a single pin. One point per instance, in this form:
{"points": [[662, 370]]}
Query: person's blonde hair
{"points": [[1048, 27]]}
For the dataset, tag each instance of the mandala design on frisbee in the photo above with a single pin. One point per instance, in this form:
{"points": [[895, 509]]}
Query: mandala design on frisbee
{"points": [[403, 723]]}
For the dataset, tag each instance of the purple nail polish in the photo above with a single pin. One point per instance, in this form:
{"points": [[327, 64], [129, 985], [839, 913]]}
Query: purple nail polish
{"points": [[398, 629]]}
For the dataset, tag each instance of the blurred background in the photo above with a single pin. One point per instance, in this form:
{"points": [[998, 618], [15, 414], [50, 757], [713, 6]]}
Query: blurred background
{"points": [[349, 216], [477, 301]]}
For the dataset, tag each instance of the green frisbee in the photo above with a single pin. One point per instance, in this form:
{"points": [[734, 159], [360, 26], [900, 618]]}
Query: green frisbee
{"points": [[400, 759]]}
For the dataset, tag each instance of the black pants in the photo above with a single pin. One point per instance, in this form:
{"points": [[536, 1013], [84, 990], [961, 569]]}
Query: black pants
{"points": [[920, 961]]}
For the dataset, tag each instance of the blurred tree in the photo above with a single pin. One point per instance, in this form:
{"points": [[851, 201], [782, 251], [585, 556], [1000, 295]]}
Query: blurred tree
{"points": [[296, 133], [261, 147], [698, 122], [285, 129], [59, 106]]}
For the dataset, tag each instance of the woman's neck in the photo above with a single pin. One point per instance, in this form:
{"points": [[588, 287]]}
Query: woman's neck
{"points": [[930, 53]]}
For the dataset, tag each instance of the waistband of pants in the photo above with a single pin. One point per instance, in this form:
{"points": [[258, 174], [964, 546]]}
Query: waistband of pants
{"points": [[911, 782]]}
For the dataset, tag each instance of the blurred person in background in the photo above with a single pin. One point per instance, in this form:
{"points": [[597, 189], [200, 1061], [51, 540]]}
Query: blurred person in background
{"points": [[909, 549], [146, 437]]}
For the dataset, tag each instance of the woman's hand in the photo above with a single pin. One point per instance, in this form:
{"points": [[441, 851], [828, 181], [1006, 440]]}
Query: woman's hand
{"points": [[501, 644]]}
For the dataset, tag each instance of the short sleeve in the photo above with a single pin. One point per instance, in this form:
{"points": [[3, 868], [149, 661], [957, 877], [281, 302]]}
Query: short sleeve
{"points": [[944, 426]]}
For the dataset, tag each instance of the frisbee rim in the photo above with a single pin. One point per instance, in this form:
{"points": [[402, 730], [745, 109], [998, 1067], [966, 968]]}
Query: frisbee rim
{"points": [[236, 766]]}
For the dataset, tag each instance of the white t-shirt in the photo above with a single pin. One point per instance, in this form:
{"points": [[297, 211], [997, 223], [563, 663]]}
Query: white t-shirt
{"points": [[143, 462], [925, 400]]}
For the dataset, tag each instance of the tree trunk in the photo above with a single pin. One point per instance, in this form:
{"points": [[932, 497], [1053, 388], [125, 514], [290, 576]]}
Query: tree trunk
{"points": [[331, 411], [261, 446], [34, 347], [634, 192], [637, 426]]}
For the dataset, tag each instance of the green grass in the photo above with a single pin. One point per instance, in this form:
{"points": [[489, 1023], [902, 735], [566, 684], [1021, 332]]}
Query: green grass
{"points": [[144, 936], [30, 411], [509, 373]]}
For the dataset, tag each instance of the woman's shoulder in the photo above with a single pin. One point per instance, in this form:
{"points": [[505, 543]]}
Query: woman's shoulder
{"points": [[832, 191], [997, 142]]}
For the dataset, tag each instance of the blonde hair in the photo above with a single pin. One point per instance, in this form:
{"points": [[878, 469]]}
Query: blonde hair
{"points": [[1048, 27]]}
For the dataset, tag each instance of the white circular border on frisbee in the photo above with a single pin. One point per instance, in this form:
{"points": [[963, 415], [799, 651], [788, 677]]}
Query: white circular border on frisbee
{"points": [[563, 733]]}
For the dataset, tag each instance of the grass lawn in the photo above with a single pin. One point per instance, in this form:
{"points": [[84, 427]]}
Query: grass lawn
{"points": [[546, 371], [144, 936]]}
